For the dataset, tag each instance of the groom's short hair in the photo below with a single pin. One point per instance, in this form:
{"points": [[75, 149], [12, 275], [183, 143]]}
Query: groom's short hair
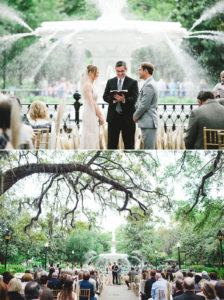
{"points": [[121, 63], [148, 66]]}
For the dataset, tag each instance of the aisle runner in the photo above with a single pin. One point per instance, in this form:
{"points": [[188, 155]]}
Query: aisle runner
{"points": [[117, 292]]}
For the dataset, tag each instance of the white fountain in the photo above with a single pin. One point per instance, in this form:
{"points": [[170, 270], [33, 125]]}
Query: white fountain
{"points": [[113, 256], [112, 37]]}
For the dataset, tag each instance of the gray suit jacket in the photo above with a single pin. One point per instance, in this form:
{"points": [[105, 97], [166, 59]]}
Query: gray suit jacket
{"points": [[210, 115], [146, 106], [119, 271]]}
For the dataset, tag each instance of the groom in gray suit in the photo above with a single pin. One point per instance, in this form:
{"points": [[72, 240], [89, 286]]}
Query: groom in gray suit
{"points": [[146, 107]]}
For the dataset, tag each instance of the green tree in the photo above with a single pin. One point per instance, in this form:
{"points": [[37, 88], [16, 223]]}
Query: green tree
{"points": [[84, 9], [208, 53], [83, 242], [152, 10]]}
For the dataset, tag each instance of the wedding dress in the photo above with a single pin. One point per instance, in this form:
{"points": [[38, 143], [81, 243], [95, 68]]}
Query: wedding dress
{"points": [[90, 122], [110, 276]]}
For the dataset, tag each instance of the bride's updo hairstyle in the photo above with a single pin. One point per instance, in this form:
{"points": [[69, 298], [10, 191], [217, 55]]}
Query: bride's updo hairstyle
{"points": [[93, 69]]}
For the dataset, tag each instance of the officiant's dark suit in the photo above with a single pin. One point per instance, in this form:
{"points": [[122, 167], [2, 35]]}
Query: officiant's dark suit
{"points": [[121, 120], [114, 273]]}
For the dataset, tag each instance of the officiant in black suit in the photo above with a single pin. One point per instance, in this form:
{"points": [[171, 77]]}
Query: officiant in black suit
{"points": [[121, 108]]}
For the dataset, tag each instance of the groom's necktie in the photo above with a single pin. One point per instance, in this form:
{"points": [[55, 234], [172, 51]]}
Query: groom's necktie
{"points": [[118, 106]]}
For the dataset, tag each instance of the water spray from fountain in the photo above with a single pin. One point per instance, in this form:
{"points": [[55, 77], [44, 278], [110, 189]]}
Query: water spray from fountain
{"points": [[112, 8], [189, 66], [8, 40], [63, 40], [210, 13], [215, 38], [9, 13]]}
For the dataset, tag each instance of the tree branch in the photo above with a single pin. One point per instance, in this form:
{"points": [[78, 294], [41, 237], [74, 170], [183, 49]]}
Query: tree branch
{"points": [[201, 191]]}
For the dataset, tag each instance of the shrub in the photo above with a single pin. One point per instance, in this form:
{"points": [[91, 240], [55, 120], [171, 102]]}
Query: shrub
{"points": [[13, 269]]}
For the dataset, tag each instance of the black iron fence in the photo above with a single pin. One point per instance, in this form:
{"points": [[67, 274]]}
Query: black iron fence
{"points": [[172, 115]]}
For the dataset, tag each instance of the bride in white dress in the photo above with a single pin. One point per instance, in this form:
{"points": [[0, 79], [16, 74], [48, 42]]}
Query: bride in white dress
{"points": [[92, 116]]}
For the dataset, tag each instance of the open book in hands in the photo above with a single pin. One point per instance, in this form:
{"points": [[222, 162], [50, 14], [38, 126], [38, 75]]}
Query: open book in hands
{"points": [[120, 93]]}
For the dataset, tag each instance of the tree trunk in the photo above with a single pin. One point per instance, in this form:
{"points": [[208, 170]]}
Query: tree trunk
{"points": [[20, 73], [4, 69]]}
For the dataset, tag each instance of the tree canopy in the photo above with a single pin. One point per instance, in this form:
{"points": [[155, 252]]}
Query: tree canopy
{"points": [[61, 196]]}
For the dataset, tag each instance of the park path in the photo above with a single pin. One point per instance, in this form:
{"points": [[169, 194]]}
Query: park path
{"points": [[117, 292]]}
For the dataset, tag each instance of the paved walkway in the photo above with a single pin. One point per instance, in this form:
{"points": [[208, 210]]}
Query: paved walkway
{"points": [[117, 292]]}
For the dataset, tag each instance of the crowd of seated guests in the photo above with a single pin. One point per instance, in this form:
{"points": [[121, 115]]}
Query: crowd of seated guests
{"points": [[66, 282], [181, 285]]}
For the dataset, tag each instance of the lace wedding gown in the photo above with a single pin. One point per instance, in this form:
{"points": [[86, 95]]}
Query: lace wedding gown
{"points": [[90, 122]]}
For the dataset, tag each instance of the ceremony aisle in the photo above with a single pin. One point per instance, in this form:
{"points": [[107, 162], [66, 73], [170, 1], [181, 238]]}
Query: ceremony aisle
{"points": [[117, 292]]}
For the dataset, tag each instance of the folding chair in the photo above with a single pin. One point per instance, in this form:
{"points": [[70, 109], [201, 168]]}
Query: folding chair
{"points": [[41, 138], [210, 137], [84, 294]]}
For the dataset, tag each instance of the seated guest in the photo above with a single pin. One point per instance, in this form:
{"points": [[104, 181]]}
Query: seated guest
{"points": [[190, 274], [11, 128], [197, 279], [148, 286], [76, 283], [131, 275], [159, 288], [39, 120], [5, 127], [204, 275], [219, 288], [26, 131], [213, 277], [179, 275], [93, 280], [169, 275], [3, 291], [32, 290], [189, 291], [54, 283], [67, 292], [219, 86], [178, 288], [7, 277], [47, 294], [15, 289], [209, 114], [209, 292], [200, 284], [26, 278], [86, 285], [39, 115]]}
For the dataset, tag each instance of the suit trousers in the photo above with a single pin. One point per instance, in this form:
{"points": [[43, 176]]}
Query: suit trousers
{"points": [[115, 277], [125, 125], [149, 138], [119, 278]]}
